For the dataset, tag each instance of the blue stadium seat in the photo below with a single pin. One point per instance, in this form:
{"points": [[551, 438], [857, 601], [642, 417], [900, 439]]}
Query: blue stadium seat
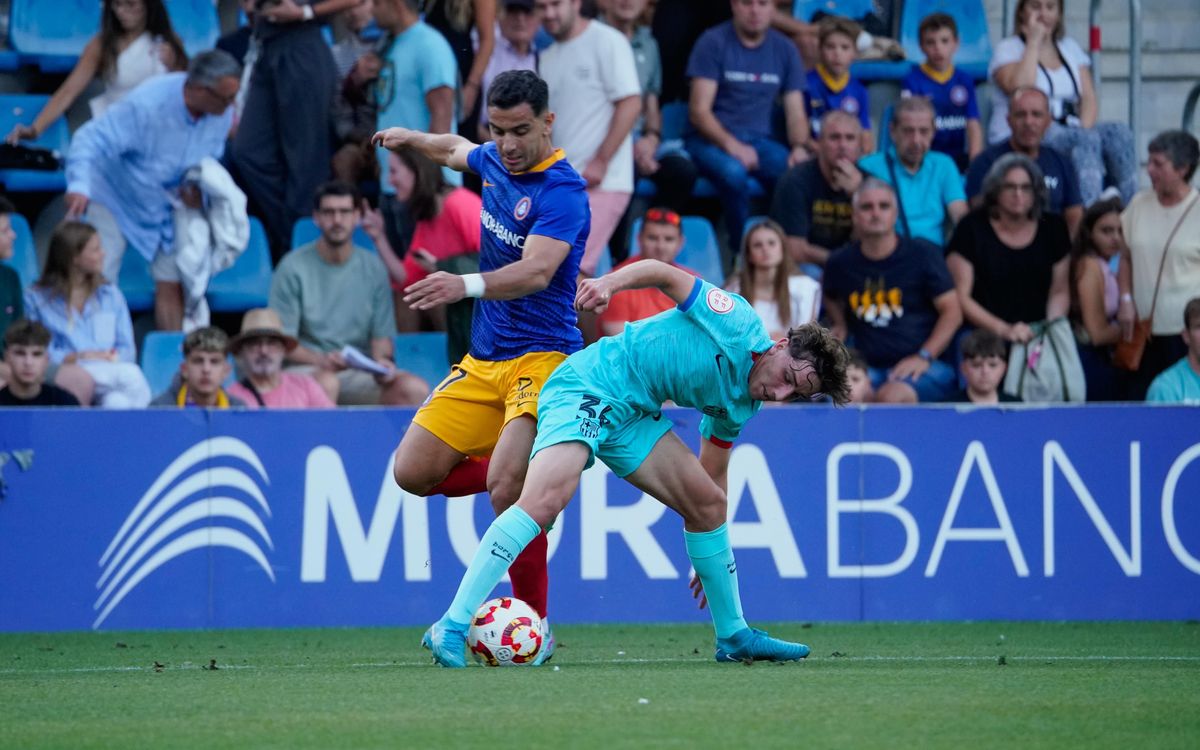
{"points": [[885, 129], [24, 260], [51, 35], [975, 49], [305, 231], [423, 354], [700, 251], [22, 108], [9, 60], [135, 282], [162, 353], [246, 284], [806, 9], [196, 23]]}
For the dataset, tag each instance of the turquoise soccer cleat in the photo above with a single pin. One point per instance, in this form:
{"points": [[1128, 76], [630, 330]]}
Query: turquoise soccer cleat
{"points": [[752, 644], [447, 640], [548, 644]]}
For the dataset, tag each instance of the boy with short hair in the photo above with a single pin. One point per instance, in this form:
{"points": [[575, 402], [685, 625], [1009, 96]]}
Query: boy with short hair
{"points": [[660, 238], [203, 370], [27, 359], [830, 85], [959, 133], [861, 391], [984, 362], [1180, 383]]}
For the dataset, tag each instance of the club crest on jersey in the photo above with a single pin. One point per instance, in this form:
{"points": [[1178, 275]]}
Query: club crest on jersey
{"points": [[958, 95], [850, 104], [521, 210], [719, 302]]}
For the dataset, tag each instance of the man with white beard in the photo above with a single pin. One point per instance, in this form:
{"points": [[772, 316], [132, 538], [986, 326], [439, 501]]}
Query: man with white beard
{"points": [[259, 350]]}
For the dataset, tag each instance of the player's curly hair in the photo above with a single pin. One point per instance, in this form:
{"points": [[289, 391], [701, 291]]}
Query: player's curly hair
{"points": [[828, 357]]}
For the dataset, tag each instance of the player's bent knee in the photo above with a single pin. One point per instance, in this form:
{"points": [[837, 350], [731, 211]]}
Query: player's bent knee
{"points": [[707, 511], [504, 492], [413, 476]]}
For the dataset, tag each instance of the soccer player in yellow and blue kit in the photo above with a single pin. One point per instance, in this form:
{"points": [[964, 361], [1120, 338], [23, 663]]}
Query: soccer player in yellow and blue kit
{"points": [[711, 353], [535, 222]]}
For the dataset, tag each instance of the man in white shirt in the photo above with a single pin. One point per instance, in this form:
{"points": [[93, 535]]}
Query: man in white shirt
{"points": [[596, 97]]}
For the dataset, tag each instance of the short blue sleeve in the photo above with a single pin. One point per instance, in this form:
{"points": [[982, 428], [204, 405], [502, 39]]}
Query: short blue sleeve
{"points": [[440, 68], [864, 107], [475, 158], [705, 60], [565, 214], [1071, 196], [793, 70], [948, 177], [726, 317], [972, 102]]}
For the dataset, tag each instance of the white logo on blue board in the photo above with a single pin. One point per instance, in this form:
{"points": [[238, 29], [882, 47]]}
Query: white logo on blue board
{"points": [[200, 494]]}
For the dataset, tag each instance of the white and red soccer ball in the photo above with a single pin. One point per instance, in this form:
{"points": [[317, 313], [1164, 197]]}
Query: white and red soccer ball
{"points": [[506, 632]]}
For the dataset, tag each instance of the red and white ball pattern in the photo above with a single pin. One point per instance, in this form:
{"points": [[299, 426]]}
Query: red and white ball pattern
{"points": [[506, 632]]}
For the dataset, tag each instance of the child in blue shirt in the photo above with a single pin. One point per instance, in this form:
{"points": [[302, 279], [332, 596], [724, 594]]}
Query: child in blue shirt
{"points": [[830, 85], [959, 133]]}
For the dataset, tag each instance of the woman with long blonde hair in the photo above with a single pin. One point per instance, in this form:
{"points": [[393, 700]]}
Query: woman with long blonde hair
{"points": [[768, 280]]}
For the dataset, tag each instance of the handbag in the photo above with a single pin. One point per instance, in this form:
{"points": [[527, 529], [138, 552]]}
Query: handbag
{"points": [[1047, 369], [1128, 353]]}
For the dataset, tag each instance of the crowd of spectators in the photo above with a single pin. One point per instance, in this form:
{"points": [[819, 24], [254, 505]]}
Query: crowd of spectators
{"points": [[931, 252]]}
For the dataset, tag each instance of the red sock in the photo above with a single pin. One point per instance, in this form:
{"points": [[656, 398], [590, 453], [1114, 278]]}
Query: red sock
{"points": [[530, 581], [468, 478]]}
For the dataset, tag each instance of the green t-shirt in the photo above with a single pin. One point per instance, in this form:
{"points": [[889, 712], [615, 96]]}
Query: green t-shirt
{"points": [[326, 306]]}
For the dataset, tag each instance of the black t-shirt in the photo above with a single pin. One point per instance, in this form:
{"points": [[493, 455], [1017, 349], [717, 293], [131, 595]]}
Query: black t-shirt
{"points": [[962, 398], [12, 306], [1012, 284], [806, 206], [889, 302], [50, 395]]}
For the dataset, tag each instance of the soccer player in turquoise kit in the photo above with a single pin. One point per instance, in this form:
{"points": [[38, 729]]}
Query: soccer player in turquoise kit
{"points": [[476, 430], [711, 353]]}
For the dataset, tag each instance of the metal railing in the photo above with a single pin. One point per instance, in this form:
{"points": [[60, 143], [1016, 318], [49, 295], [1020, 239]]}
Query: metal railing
{"points": [[1135, 58], [1189, 108]]}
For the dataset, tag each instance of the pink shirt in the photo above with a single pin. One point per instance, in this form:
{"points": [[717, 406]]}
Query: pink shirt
{"points": [[452, 232], [295, 391]]}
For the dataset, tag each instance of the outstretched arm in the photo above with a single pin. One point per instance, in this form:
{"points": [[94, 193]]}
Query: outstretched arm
{"points": [[595, 294], [445, 149], [532, 273]]}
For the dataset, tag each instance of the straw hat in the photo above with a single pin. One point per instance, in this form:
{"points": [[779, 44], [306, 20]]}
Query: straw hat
{"points": [[262, 322]]}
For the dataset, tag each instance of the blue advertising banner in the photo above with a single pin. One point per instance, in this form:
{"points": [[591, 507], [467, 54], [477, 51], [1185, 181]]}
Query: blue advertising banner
{"points": [[195, 519]]}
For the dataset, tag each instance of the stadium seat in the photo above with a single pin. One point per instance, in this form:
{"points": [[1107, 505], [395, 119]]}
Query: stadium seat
{"points": [[305, 231], [700, 251], [423, 354], [247, 283], [51, 35], [135, 282], [161, 356], [162, 353], [974, 51], [196, 23], [22, 108], [24, 260], [806, 9]]}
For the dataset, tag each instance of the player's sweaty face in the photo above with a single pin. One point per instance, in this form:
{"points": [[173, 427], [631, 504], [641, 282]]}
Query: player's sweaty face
{"points": [[522, 138], [776, 376]]}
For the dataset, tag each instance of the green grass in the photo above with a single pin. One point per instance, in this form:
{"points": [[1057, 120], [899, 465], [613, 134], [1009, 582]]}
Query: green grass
{"points": [[1121, 685]]}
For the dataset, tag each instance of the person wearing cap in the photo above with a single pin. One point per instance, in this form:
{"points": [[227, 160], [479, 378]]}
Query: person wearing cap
{"points": [[205, 366], [259, 351]]}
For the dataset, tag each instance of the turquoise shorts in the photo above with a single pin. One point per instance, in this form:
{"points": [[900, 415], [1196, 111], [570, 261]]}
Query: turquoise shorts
{"points": [[620, 435]]}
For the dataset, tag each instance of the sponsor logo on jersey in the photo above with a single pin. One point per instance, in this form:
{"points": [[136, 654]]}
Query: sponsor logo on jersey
{"points": [[501, 232], [953, 122]]}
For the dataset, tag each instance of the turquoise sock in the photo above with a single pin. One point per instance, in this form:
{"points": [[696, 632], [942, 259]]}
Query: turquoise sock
{"points": [[712, 557], [501, 543]]}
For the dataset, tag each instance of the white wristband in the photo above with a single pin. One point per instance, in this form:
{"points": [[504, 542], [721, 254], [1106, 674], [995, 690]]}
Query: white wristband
{"points": [[474, 284], [308, 12], [1127, 297]]}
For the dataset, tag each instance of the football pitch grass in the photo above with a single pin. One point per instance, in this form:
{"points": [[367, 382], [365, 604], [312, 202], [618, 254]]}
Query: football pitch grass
{"points": [[954, 685]]}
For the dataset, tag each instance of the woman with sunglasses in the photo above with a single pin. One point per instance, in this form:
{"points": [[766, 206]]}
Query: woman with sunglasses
{"points": [[1009, 257]]}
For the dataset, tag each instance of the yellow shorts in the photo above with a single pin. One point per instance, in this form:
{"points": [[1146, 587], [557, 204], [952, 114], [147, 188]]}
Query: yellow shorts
{"points": [[477, 399]]}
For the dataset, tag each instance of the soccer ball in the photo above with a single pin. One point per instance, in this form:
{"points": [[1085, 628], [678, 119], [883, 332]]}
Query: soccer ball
{"points": [[506, 632]]}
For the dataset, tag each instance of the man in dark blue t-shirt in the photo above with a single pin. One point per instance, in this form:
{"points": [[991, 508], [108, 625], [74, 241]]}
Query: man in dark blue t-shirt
{"points": [[894, 297], [1029, 119], [738, 71]]}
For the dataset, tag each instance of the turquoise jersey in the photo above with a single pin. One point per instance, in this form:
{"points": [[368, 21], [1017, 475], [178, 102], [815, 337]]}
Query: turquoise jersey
{"points": [[697, 355]]}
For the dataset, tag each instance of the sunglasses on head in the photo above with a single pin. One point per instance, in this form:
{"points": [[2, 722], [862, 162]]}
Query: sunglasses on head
{"points": [[663, 216]]}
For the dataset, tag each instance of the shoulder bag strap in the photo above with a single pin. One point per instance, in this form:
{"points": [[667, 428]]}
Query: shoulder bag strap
{"points": [[1166, 249], [253, 391], [891, 165]]}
